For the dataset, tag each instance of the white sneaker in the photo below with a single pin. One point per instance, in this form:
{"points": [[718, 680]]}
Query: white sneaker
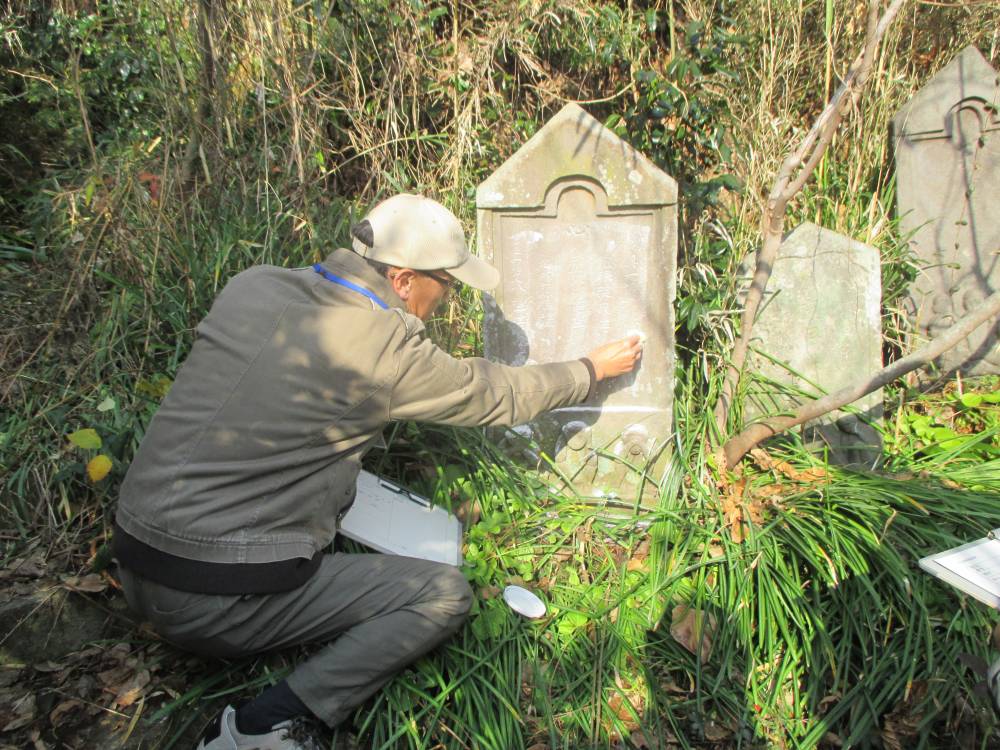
{"points": [[222, 734]]}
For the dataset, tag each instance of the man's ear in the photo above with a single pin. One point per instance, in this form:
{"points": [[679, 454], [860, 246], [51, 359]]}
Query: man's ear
{"points": [[402, 282]]}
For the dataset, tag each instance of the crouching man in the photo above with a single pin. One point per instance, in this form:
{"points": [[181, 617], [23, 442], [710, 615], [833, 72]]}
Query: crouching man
{"points": [[228, 511]]}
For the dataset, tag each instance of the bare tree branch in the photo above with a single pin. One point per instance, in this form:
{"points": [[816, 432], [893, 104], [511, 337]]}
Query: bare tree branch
{"points": [[737, 447], [793, 174]]}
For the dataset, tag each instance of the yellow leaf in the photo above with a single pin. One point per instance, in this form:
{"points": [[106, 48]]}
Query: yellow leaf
{"points": [[86, 438], [98, 467]]}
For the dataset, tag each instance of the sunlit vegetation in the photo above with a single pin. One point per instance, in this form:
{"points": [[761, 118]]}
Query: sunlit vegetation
{"points": [[149, 151]]}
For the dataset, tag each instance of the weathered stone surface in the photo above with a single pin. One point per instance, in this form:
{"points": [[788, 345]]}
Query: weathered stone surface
{"points": [[947, 140], [583, 230], [819, 330]]}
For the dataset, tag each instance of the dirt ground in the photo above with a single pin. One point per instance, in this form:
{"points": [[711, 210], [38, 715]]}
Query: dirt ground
{"points": [[77, 670]]}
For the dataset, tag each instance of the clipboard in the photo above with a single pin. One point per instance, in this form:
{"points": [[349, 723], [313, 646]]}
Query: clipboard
{"points": [[973, 568], [391, 519]]}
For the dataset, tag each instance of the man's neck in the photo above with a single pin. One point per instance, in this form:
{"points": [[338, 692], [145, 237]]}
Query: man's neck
{"points": [[347, 263]]}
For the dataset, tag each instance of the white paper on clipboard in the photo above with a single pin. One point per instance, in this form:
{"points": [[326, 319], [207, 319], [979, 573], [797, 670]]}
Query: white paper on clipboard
{"points": [[974, 568], [394, 520]]}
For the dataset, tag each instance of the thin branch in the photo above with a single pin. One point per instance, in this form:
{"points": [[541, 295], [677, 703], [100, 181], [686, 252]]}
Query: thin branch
{"points": [[795, 171], [739, 445], [83, 108]]}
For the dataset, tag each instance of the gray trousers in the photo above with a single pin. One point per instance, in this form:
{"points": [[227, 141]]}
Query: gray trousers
{"points": [[375, 613]]}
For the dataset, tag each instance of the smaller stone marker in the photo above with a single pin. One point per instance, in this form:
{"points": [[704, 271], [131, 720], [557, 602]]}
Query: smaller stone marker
{"points": [[947, 140], [819, 330], [583, 229]]}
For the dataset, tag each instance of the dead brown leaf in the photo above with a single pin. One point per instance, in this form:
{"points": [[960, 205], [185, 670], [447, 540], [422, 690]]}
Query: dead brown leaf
{"points": [[116, 676], [762, 458], [720, 460], [670, 685], [120, 651], [621, 708], [829, 700], [901, 726], [33, 566], [716, 731], [129, 693], [49, 666], [815, 474], [62, 709], [639, 740], [489, 592], [92, 583], [24, 710], [766, 462], [694, 629], [768, 491], [545, 584], [9, 675], [740, 509], [635, 563]]}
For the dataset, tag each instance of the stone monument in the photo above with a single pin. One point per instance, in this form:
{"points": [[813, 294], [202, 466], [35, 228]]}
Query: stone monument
{"points": [[947, 140], [583, 229], [819, 330]]}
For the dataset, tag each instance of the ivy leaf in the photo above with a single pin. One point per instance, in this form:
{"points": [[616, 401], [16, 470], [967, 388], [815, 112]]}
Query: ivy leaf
{"points": [[98, 468], [88, 439], [571, 622]]}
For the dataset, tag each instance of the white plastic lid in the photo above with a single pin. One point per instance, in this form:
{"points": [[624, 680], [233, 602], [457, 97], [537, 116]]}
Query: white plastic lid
{"points": [[524, 602]]}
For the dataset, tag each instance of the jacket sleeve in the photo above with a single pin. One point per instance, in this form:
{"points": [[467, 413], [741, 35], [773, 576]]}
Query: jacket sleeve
{"points": [[432, 386]]}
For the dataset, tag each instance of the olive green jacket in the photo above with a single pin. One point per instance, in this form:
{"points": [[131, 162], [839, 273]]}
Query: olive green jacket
{"points": [[254, 453]]}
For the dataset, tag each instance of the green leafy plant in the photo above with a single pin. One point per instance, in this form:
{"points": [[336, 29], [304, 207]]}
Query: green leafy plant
{"points": [[965, 423]]}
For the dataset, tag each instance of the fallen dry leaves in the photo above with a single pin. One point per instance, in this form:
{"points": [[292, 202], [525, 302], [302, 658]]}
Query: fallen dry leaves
{"points": [[68, 697], [129, 692], [92, 583], [694, 629], [744, 504], [639, 559], [30, 566], [626, 710], [740, 509], [19, 713], [901, 725], [628, 702], [764, 460]]}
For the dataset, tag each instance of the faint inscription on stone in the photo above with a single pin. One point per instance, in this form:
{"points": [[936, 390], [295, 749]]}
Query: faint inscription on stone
{"points": [[819, 330], [583, 230], [947, 140]]}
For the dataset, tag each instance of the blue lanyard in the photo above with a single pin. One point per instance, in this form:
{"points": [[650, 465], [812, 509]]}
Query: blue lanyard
{"points": [[353, 287]]}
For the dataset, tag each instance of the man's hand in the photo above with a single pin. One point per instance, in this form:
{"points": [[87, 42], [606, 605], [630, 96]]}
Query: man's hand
{"points": [[616, 358]]}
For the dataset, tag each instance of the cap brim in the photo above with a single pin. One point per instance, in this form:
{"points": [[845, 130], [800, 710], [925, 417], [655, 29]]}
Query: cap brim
{"points": [[476, 272]]}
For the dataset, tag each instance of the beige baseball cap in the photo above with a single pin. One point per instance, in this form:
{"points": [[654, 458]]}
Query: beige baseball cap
{"points": [[411, 231]]}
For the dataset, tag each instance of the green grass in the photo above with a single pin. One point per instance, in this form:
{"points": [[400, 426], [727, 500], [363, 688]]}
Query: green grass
{"points": [[820, 621]]}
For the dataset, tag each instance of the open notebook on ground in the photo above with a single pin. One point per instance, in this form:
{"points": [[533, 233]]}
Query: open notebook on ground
{"points": [[974, 568], [394, 520]]}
